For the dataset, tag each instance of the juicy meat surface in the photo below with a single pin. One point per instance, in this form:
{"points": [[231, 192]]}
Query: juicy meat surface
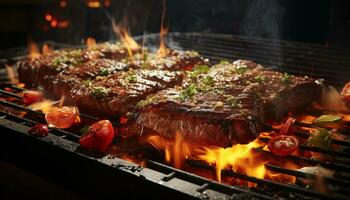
{"points": [[118, 93], [226, 104], [176, 60], [32, 71]]}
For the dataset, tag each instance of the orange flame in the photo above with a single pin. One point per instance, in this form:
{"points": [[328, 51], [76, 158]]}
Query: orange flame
{"points": [[239, 157], [176, 151], [129, 43], [163, 51], [46, 49], [44, 106], [33, 50], [90, 43], [11, 74]]}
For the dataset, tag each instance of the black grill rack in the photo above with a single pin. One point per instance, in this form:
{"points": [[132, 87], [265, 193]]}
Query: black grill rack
{"points": [[59, 157]]}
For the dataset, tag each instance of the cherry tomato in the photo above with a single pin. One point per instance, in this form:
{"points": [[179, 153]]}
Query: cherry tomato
{"points": [[346, 92], [98, 137], [283, 145], [31, 96], [40, 130], [62, 117], [286, 128]]}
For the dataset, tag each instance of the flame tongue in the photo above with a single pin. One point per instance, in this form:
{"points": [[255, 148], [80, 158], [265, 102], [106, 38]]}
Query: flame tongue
{"points": [[163, 51], [129, 43], [90, 43], [46, 49], [240, 157], [33, 49]]}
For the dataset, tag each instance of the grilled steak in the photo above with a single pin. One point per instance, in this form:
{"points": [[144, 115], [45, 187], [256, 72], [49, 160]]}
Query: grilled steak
{"points": [[61, 83], [95, 80], [32, 71], [226, 104], [118, 93], [176, 60]]}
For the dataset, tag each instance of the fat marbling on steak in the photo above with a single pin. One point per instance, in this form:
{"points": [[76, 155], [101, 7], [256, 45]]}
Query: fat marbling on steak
{"points": [[226, 104]]}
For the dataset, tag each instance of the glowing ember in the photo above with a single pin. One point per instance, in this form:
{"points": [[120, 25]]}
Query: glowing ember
{"points": [[129, 43], [163, 51], [93, 4], [90, 43]]}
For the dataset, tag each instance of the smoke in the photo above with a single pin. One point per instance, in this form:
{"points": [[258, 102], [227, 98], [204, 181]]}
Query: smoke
{"points": [[263, 19]]}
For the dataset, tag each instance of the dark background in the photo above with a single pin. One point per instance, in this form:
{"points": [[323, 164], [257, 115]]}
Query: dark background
{"points": [[313, 21]]}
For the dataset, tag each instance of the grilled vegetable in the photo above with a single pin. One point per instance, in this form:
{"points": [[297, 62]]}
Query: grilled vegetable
{"points": [[62, 117], [98, 137], [283, 145], [327, 119], [40, 130], [321, 138], [31, 96]]}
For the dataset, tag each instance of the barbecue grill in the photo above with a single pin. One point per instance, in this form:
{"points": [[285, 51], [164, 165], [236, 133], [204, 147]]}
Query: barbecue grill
{"points": [[59, 158]]}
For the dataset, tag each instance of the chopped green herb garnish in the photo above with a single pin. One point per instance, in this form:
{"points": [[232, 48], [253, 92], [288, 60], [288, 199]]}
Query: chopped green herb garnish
{"points": [[57, 61], [259, 79], [146, 101], [199, 69], [286, 78], [99, 92], [132, 78], [208, 80], [103, 72], [87, 83], [233, 102], [241, 69], [321, 138], [188, 92], [224, 62]]}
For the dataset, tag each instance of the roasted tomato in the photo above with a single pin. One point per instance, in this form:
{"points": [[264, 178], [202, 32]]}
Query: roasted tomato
{"points": [[346, 92], [62, 117], [98, 137], [31, 96], [40, 130], [283, 145]]}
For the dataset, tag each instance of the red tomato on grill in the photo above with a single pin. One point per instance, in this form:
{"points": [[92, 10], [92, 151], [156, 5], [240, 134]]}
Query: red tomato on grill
{"points": [[283, 145], [62, 117], [40, 130], [346, 92], [31, 96], [98, 137]]}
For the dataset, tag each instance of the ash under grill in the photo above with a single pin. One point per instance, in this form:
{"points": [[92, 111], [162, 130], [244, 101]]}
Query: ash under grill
{"points": [[59, 157]]}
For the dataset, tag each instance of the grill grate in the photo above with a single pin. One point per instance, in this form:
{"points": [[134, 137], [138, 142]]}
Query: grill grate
{"points": [[291, 57]]}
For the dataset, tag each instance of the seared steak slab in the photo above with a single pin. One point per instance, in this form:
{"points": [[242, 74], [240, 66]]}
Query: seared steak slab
{"points": [[227, 104]]}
